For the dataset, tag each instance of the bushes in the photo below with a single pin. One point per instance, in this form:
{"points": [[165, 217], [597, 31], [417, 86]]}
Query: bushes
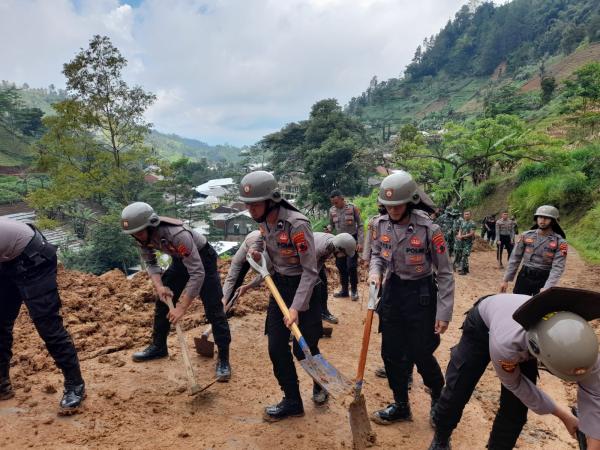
{"points": [[585, 235], [475, 195], [566, 191]]}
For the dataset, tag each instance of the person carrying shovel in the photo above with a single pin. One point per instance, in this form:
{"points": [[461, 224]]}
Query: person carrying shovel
{"points": [[192, 273], [409, 251], [287, 239]]}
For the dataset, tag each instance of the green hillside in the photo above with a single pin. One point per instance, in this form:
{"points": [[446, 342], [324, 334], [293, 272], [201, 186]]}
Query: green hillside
{"points": [[172, 147]]}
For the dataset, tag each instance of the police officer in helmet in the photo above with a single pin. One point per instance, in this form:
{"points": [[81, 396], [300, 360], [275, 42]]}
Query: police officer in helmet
{"points": [[192, 273]]}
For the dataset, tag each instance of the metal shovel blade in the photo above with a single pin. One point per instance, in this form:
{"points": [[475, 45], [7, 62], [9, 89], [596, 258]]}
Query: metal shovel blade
{"points": [[362, 434], [326, 375], [204, 347]]}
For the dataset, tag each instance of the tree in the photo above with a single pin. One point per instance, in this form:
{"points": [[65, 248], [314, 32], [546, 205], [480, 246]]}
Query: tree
{"points": [[94, 144], [548, 87], [582, 96]]}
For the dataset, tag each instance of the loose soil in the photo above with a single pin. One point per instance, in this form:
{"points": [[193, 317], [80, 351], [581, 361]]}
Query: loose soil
{"points": [[133, 405]]}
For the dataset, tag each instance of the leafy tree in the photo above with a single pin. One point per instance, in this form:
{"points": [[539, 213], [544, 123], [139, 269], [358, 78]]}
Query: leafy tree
{"points": [[582, 96], [94, 145], [548, 88]]}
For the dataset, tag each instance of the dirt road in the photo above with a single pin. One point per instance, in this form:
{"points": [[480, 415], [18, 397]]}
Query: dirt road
{"points": [[146, 406]]}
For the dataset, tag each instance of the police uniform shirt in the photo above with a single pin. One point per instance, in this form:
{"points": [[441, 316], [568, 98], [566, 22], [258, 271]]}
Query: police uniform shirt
{"points": [[323, 247], [412, 251], [505, 228], [366, 253], [539, 251], [347, 220], [177, 241], [291, 248], [508, 348], [237, 262], [14, 237]]}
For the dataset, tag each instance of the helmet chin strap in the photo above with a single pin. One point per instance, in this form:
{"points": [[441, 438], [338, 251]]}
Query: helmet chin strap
{"points": [[270, 206]]}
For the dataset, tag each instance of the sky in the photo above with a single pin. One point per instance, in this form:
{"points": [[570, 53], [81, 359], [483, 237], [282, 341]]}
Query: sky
{"points": [[224, 71]]}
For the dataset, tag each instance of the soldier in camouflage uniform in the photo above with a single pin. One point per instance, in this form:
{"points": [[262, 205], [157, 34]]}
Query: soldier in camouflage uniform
{"points": [[447, 223], [464, 243]]}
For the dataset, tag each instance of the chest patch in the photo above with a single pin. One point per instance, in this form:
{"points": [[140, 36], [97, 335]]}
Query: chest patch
{"points": [[415, 241], [552, 244], [385, 238], [529, 240], [386, 253], [283, 238]]}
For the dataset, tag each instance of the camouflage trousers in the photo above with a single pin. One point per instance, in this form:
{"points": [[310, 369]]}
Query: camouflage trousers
{"points": [[449, 237], [462, 251]]}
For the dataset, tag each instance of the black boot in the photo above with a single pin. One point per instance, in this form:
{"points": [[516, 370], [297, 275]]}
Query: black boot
{"points": [[72, 397], [380, 372], [151, 352], [319, 395], [6, 390], [285, 408], [439, 443], [340, 294], [223, 368], [328, 317], [354, 295], [395, 412]]}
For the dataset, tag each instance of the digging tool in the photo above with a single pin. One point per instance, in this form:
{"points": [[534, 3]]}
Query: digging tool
{"points": [[204, 347], [581, 439], [362, 434], [189, 370], [327, 376]]}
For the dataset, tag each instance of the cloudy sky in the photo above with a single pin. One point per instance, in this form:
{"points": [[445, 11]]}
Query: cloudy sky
{"points": [[225, 70]]}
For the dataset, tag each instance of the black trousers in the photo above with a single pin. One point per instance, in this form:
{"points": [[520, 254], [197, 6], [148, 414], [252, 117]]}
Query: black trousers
{"points": [[530, 281], [491, 235], [322, 291], [175, 278], [279, 335], [504, 243], [348, 271], [468, 361], [33, 281], [407, 320]]}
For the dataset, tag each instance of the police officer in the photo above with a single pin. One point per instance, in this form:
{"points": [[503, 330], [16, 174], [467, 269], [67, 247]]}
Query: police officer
{"points": [[409, 252], [192, 273], [505, 236], [239, 268], [28, 275], [345, 218], [512, 330], [366, 250], [464, 243], [287, 238], [341, 245], [543, 250]]}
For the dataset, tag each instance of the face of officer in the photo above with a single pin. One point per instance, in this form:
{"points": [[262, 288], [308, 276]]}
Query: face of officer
{"points": [[338, 201], [543, 222], [257, 210], [396, 212], [142, 235], [467, 215], [504, 216]]}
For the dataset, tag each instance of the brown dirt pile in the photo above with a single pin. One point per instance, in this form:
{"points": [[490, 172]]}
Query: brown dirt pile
{"points": [[105, 314]]}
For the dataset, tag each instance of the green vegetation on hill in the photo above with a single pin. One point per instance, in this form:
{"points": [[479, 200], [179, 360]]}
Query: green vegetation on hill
{"points": [[173, 147]]}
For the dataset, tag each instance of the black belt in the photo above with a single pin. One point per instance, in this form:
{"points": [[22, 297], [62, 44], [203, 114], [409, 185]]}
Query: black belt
{"points": [[535, 272]]}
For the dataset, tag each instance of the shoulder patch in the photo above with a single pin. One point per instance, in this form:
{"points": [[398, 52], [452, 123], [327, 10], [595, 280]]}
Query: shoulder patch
{"points": [[508, 366], [183, 251], [299, 240], [564, 248], [439, 242]]}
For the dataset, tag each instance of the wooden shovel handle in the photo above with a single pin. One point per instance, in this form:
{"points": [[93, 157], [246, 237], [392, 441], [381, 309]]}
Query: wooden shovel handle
{"points": [[362, 360], [189, 369]]}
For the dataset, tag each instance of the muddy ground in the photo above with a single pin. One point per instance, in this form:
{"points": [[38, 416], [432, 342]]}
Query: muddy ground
{"points": [[133, 405]]}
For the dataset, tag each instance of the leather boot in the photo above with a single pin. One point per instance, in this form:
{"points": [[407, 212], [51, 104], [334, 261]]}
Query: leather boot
{"points": [[354, 296], [285, 408], [340, 294], [73, 395], [319, 395], [439, 443], [395, 412], [149, 353], [6, 390], [223, 370]]}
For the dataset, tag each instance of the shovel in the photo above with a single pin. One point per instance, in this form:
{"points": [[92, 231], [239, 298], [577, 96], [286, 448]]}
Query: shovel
{"points": [[327, 376], [189, 370], [204, 347], [362, 434]]}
